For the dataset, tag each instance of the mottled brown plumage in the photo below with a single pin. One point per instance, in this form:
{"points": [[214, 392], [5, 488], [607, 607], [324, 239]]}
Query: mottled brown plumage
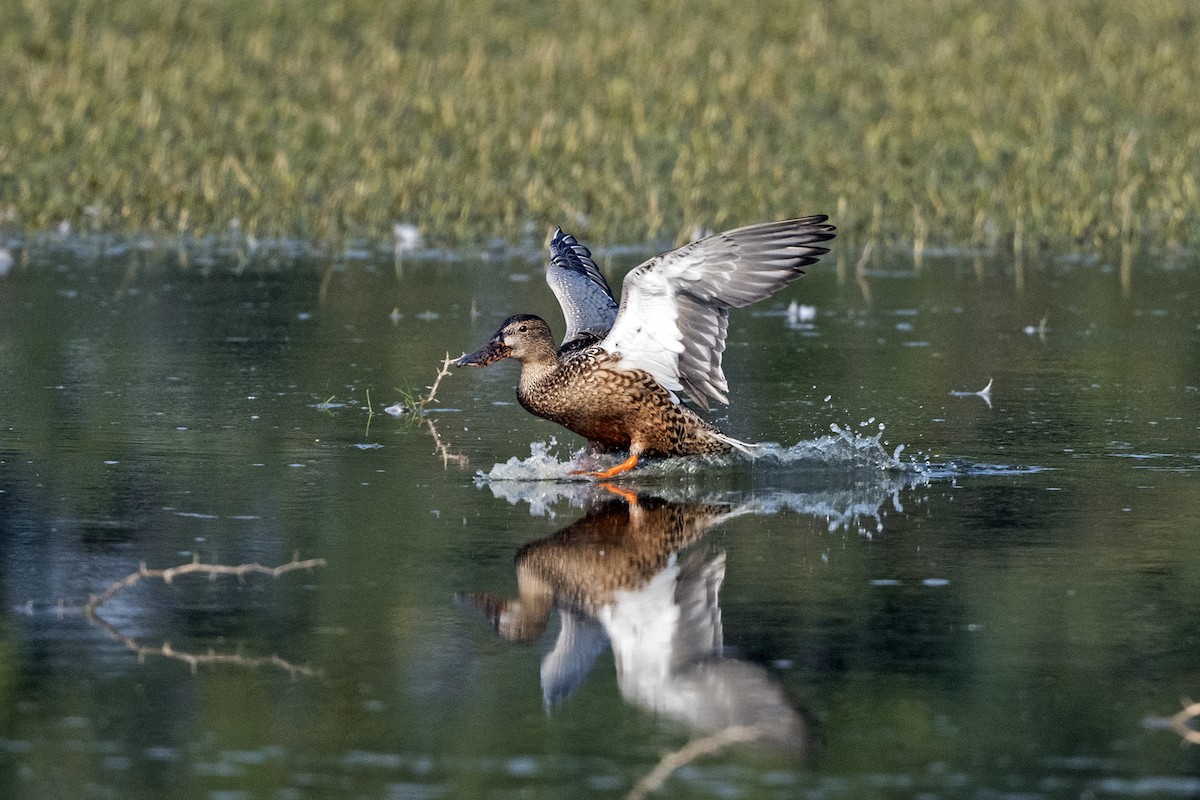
{"points": [[615, 380]]}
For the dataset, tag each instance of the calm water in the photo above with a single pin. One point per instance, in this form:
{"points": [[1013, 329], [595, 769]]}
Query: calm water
{"points": [[1000, 610]]}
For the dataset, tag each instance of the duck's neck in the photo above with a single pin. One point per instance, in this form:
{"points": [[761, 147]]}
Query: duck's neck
{"points": [[537, 367]]}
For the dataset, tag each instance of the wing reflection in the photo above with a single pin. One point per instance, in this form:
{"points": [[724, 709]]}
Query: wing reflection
{"points": [[618, 579]]}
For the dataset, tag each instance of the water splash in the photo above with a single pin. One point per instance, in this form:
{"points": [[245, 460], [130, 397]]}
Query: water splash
{"points": [[842, 450], [543, 464], [849, 479]]}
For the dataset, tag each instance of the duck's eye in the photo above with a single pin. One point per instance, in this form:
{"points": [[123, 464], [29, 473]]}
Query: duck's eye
{"points": [[522, 329]]}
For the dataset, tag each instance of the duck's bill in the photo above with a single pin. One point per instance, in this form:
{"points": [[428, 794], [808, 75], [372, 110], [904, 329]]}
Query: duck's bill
{"points": [[492, 351]]}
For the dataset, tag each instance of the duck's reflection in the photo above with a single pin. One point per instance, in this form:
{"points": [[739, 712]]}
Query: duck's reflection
{"points": [[618, 579]]}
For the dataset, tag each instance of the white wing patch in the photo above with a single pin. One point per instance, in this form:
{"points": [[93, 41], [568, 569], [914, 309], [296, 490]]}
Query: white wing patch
{"points": [[646, 335], [674, 312]]}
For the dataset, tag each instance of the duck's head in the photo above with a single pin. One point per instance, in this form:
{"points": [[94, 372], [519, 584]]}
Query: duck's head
{"points": [[523, 337]]}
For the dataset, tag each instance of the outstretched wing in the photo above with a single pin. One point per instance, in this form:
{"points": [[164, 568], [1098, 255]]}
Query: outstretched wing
{"points": [[587, 302], [674, 310]]}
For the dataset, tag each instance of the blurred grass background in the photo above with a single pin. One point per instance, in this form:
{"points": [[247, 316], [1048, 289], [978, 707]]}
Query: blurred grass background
{"points": [[1073, 124]]}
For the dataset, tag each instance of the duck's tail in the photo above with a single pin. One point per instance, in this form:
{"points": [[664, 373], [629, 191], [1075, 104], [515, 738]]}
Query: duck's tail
{"points": [[749, 448]]}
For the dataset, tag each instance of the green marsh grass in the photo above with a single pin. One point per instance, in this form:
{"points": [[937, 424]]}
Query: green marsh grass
{"points": [[918, 124]]}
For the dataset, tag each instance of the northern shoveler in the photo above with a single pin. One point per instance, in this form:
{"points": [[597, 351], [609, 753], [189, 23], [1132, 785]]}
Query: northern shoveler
{"points": [[616, 375]]}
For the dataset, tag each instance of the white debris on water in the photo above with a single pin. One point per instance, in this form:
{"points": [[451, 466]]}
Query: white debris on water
{"points": [[985, 393], [407, 235], [799, 315]]}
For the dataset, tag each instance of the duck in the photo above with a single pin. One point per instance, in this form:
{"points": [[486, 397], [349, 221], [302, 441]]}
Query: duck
{"points": [[621, 373]]}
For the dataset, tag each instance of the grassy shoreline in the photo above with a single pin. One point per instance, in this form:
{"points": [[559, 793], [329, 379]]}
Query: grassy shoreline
{"points": [[932, 123]]}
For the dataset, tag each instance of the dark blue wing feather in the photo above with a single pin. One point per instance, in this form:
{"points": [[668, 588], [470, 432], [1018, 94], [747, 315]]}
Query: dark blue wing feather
{"points": [[587, 303]]}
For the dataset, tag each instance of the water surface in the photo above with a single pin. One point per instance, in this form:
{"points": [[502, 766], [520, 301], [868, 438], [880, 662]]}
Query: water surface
{"points": [[915, 593]]}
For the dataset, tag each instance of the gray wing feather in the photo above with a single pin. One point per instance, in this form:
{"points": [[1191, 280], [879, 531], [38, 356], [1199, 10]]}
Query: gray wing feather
{"points": [[587, 303], [700, 371]]}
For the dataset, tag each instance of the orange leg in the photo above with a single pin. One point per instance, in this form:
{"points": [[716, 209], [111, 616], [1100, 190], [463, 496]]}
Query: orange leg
{"points": [[624, 466]]}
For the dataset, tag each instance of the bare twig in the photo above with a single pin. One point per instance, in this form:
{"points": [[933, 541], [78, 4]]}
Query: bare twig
{"points": [[442, 373], [411, 403], [655, 778], [212, 570]]}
